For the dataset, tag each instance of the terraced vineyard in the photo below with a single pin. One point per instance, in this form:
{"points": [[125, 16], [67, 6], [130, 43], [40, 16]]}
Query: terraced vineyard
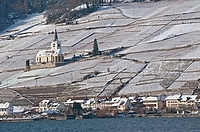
{"points": [[149, 48]]}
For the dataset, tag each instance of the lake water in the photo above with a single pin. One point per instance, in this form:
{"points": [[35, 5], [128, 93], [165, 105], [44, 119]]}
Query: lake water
{"points": [[180, 124]]}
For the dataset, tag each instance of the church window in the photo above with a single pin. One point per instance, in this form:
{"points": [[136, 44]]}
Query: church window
{"points": [[54, 45]]}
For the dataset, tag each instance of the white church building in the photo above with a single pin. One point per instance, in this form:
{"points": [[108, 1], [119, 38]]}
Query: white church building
{"points": [[53, 55]]}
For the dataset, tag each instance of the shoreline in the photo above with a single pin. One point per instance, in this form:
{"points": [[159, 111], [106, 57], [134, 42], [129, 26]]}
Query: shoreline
{"points": [[58, 119], [17, 120]]}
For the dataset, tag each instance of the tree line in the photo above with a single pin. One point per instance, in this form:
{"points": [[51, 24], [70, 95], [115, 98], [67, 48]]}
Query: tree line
{"points": [[17, 9], [56, 10]]}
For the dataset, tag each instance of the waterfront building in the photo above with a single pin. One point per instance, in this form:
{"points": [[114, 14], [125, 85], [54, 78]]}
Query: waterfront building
{"points": [[70, 102], [57, 107], [18, 109], [157, 102], [119, 103], [45, 105], [6, 109], [181, 101], [136, 103], [93, 104]]}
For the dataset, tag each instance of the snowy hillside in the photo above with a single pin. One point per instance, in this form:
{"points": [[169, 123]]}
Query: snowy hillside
{"points": [[161, 50]]}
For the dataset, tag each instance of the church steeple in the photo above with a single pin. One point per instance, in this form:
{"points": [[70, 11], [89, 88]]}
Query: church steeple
{"points": [[56, 36], [55, 44]]}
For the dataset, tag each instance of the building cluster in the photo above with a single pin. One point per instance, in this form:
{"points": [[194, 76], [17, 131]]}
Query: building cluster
{"points": [[49, 105], [141, 105], [165, 104]]}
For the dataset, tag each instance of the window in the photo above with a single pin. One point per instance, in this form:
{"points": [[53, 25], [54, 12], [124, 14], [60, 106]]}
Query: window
{"points": [[174, 105], [54, 45]]}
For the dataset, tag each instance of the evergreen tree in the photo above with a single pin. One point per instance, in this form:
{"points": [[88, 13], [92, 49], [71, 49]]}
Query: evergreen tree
{"points": [[95, 50]]}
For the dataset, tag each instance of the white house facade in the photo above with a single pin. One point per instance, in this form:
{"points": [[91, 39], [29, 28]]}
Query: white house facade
{"points": [[118, 103], [178, 101], [153, 102], [6, 109], [44, 105], [57, 107]]}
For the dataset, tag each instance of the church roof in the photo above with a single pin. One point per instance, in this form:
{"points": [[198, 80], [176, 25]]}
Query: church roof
{"points": [[48, 52]]}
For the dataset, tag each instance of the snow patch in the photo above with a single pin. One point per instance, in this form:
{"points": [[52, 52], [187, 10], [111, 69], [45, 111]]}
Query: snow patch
{"points": [[177, 30]]}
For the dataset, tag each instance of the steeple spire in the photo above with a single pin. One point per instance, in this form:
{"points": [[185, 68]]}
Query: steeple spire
{"points": [[56, 36], [55, 43]]}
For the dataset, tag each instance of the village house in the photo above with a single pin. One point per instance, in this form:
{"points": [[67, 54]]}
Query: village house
{"points": [[172, 101], [6, 109], [119, 103], [53, 56], [123, 104], [181, 101], [19, 109], [188, 102], [93, 104], [44, 105], [70, 102], [97, 105], [136, 104], [157, 102], [86, 104], [112, 101], [60, 107]]}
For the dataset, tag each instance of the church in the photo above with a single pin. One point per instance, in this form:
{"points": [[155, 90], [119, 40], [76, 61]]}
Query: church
{"points": [[52, 56]]}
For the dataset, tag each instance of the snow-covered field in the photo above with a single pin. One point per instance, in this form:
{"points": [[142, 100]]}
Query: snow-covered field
{"points": [[161, 41]]}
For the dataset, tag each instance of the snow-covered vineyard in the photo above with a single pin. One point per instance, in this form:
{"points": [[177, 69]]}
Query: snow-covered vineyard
{"points": [[160, 40]]}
